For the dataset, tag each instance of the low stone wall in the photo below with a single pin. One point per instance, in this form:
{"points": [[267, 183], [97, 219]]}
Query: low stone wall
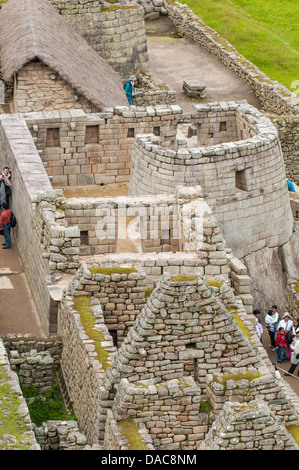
{"points": [[33, 369], [60, 435], [153, 92]]}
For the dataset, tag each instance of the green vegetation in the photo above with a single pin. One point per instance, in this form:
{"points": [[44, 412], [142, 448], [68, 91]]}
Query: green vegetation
{"points": [[242, 325], [294, 431], [11, 421], [236, 377], [214, 283], [112, 270], [265, 33], [82, 305], [148, 292], [205, 407], [297, 287], [48, 405], [183, 278], [130, 430]]}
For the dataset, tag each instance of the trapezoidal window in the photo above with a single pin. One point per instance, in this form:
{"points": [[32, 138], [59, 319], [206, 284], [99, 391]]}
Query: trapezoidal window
{"points": [[241, 180], [92, 135], [52, 137]]}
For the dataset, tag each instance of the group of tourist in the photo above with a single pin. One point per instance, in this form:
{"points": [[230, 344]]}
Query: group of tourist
{"points": [[5, 213], [284, 336]]}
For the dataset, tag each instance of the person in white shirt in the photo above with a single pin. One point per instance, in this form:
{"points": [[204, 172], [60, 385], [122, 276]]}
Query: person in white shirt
{"points": [[259, 327], [275, 316], [270, 322]]}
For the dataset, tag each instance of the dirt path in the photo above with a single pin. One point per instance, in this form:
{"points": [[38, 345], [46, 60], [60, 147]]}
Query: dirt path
{"points": [[18, 314], [174, 59]]}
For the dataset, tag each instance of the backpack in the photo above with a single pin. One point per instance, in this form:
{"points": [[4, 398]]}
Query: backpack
{"points": [[13, 221]]}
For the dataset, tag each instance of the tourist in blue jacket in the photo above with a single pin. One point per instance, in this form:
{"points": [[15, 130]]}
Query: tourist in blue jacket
{"points": [[130, 89]]}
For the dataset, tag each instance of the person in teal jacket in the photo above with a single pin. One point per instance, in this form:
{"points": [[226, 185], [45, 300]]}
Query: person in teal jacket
{"points": [[130, 89]]}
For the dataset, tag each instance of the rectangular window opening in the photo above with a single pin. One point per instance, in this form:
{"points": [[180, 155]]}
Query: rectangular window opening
{"points": [[84, 237], [52, 137], [131, 132], [241, 180], [222, 126], [92, 135]]}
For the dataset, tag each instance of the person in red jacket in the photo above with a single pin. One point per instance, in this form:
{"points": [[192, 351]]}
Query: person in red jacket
{"points": [[281, 345], [5, 224]]}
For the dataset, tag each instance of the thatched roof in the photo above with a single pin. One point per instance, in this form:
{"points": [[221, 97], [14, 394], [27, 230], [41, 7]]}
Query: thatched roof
{"points": [[33, 29]]}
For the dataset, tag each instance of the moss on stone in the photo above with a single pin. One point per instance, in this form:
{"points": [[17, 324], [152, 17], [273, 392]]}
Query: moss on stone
{"points": [[82, 305], [184, 278], [236, 377], [11, 420], [242, 325], [294, 431], [116, 7], [205, 407], [148, 292], [112, 270], [297, 287], [129, 429], [214, 283]]}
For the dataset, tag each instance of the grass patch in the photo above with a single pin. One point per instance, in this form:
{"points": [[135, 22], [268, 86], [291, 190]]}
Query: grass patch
{"points": [[112, 270], [11, 421], [265, 33], [82, 305], [130, 430], [48, 405]]}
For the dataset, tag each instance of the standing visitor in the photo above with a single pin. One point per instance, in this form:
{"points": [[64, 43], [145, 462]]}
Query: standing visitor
{"points": [[295, 354], [270, 325], [286, 323], [130, 89], [5, 224], [281, 345], [7, 180]]}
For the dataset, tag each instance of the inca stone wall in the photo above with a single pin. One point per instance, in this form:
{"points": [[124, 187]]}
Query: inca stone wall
{"points": [[183, 336], [249, 426], [49, 92], [239, 178], [15, 408], [116, 32], [96, 148], [288, 129], [178, 401]]}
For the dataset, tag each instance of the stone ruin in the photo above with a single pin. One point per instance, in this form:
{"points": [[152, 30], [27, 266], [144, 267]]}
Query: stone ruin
{"points": [[146, 298]]}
